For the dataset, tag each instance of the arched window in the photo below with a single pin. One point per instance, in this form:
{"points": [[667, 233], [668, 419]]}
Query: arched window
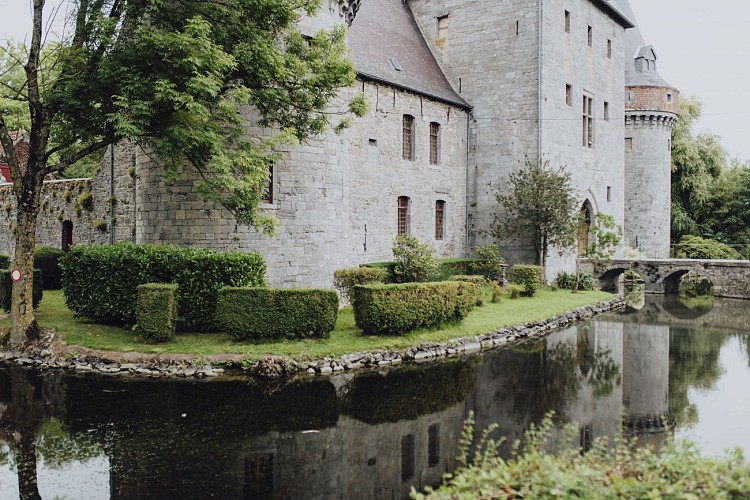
{"points": [[439, 220], [584, 226], [67, 235], [434, 143], [408, 138], [402, 223]]}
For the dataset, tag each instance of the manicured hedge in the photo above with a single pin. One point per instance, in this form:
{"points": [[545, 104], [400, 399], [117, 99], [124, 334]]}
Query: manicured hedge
{"points": [[253, 313], [346, 279], [156, 311], [100, 281], [531, 277], [477, 279], [446, 268], [400, 308], [47, 259], [6, 289]]}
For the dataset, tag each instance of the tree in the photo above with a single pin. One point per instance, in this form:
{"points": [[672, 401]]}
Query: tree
{"points": [[176, 78], [696, 163], [605, 238], [539, 203]]}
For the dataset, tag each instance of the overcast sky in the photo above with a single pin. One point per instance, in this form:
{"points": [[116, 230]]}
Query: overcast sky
{"points": [[702, 48]]}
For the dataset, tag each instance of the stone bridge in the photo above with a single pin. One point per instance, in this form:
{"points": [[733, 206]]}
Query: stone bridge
{"points": [[731, 278]]}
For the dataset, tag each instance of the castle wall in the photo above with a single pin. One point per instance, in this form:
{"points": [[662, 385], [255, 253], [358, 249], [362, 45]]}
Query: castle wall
{"points": [[490, 57], [335, 196], [65, 201], [595, 71]]}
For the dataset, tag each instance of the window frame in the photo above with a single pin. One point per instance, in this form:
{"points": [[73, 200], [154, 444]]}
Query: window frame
{"points": [[440, 220], [434, 143], [270, 187], [403, 216], [408, 126], [588, 121]]}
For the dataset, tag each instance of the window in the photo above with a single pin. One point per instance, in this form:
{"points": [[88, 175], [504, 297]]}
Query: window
{"points": [[588, 122], [567, 21], [591, 36], [402, 222], [434, 143], [433, 445], [67, 235], [669, 98], [407, 457], [442, 27], [569, 95], [606, 111], [267, 196], [629, 96], [609, 193], [609, 49], [439, 220], [408, 138], [628, 144]]}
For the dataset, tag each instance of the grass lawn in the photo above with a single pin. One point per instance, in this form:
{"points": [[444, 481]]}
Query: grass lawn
{"points": [[346, 338]]}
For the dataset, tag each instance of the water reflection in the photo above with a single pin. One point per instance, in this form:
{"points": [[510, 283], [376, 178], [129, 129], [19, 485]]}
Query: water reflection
{"points": [[374, 435]]}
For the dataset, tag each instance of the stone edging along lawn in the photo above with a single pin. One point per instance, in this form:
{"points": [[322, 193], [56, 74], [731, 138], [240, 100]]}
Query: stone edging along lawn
{"points": [[54, 355]]}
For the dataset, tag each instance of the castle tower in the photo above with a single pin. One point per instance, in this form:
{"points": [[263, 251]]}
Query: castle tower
{"points": [[650, 115]]}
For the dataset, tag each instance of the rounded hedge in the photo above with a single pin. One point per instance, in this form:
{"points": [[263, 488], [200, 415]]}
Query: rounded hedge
{"points": [[100, 281], [47, 259]]}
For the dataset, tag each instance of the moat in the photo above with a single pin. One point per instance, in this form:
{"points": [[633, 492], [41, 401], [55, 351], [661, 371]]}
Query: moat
{"points": [[673, 369]]}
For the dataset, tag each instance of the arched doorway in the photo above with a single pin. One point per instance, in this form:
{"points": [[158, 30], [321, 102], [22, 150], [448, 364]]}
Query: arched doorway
{"points": [[584, 226]]}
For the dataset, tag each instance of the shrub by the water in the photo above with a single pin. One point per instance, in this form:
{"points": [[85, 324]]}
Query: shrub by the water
{"points": [[6, 289], [567, 281], [346, 279], [100, 281], [414, 260], [695, 247], [254, 313], [156, 311], [400, 308], [47, 259], [531, 277]]}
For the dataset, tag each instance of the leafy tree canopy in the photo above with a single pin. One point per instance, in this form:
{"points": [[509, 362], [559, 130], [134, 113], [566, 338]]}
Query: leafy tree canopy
{"points": [[539, 203]]}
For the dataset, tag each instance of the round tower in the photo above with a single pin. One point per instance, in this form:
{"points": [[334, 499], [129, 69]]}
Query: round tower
{"points": [[650, 115]]}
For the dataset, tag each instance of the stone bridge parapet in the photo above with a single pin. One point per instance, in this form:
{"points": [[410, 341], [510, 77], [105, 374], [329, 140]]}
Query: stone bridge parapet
{"points": [[731, 278]]}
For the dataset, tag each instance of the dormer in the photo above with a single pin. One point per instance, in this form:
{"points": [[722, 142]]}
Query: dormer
{"points": [[645, 59]]}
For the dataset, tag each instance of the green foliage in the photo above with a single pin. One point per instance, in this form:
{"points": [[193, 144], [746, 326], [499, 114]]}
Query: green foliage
{"points": [[531, 277], [567, 281], [539, 204], [477, 279], [695, 247], [4, 261], [400, 308], [497, 292], [620, 470], [256, 313], [445, 269], [47, 260], [6, 287], [488, 262], [694, 285], [414, 260], [85, 201], [515, 290], [727, 217], [345, 279], [100, 281], [156, 311]]}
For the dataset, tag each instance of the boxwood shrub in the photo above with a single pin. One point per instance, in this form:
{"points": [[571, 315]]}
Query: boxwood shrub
{"points": [[6, 289], [445, 269], [531, 277], [477, 279], [156, 311], [100, 281], [400, 308], [346, 279], [255, 313], [47, 259]]}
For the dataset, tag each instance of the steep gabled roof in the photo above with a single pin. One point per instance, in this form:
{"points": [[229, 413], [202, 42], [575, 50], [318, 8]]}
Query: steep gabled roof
{"points": [[636, 48], [387, 46], [619, 10]]}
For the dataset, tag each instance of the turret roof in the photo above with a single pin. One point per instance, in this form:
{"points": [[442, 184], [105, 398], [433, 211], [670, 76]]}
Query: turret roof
{"points": [[635, 48]]}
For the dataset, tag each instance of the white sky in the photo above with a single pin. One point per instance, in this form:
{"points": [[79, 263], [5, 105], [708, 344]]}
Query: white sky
{"points": [[702, 48]]}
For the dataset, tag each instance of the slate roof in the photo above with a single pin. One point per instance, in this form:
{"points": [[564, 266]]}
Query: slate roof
{"points": [[635, 46], [619, 10], [385, 30]]}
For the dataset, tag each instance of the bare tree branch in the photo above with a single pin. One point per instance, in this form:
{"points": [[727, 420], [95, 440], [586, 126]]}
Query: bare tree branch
{"points": [[91, 148]]}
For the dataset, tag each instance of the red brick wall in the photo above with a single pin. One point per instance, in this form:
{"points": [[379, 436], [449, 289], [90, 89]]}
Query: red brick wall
{"points": [[654, 98]]}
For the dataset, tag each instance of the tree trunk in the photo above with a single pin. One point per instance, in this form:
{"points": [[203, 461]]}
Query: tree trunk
{"points": [[23, 326]]}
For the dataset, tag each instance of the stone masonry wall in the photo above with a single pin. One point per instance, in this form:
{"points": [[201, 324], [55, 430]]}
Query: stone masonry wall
{"points": [[66, 200], [597, 72], [490, 57], [335, 196]]}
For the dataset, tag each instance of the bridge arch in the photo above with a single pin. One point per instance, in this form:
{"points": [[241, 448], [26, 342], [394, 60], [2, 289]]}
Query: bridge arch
{"points": [[609, 279]]}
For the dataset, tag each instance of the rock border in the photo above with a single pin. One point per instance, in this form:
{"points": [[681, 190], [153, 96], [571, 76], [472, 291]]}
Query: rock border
{"points": [[49, 353]]}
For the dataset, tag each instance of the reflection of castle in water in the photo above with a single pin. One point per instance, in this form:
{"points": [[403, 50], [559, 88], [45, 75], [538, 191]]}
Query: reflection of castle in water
{"points": [[600, 375]]}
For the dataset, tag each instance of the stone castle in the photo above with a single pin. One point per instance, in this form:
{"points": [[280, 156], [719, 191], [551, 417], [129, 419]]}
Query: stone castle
{"points": [[459, 93]]}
